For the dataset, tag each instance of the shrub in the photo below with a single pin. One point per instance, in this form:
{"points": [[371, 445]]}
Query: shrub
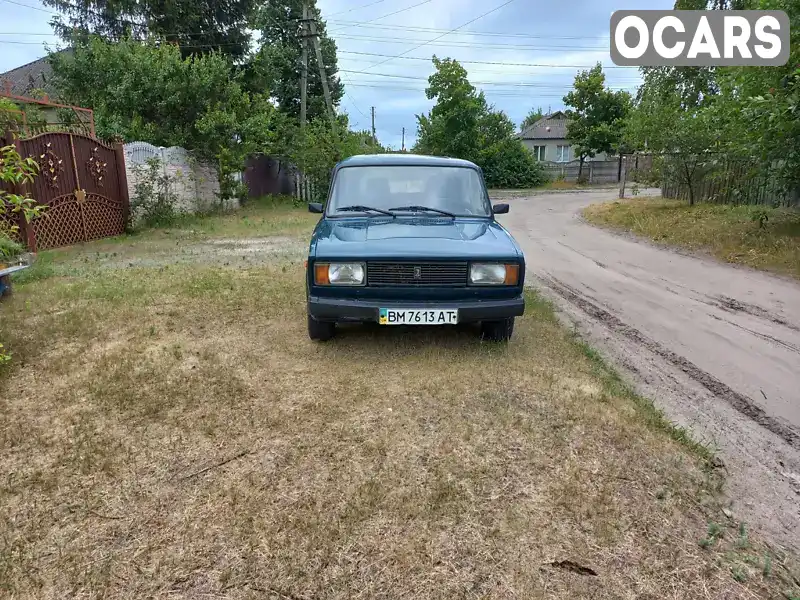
{"points": [[8, 247], [508, 164], [154, 203]]}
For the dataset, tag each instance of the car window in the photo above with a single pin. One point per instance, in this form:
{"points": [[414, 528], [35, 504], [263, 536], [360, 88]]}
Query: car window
{"points": [[459, 190]]}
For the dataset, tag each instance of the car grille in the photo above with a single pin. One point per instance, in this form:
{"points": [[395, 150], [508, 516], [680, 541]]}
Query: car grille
{"points": [[417, 274]]}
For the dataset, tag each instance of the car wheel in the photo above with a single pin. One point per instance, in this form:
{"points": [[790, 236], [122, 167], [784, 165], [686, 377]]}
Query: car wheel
{"points": [[497, 331], [320, 331]]}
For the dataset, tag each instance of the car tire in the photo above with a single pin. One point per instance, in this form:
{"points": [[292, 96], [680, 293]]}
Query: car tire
{"points": [[497, 331], [320, 331]]}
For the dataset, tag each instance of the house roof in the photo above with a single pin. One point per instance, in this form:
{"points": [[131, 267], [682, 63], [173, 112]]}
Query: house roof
{"points": [[36, 75], [550, 127]]}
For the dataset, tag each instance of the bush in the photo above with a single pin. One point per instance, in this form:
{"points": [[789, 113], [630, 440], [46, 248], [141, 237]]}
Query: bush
{"points": [[154, 203], [8, 247], [508, 164]]}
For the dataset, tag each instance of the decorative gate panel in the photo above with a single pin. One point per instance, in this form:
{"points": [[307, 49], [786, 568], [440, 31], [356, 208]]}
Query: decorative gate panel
{"points": [[82, 182]]}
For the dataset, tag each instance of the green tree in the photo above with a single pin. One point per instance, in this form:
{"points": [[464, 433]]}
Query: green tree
{"points": [[276, 66], [149, 92], [197, 26], [597, 114], [451, 127], [534, 115], [684, 137], [461, 124]]}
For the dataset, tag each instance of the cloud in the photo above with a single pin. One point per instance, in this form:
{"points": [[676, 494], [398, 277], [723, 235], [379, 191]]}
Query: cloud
{"points": [[526, 32]]}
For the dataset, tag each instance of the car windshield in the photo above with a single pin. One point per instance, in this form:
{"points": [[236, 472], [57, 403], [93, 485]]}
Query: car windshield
{"points": [[456, 190]]}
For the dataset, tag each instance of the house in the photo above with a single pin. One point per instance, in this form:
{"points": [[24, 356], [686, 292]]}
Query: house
{"points": [[547, 139], [31, 88], [32, 77]]}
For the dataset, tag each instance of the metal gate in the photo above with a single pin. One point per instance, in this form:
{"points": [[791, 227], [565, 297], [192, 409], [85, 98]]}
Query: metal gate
{"points": [[82, 182]]}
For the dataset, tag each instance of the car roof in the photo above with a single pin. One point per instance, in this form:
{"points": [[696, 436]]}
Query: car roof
{"points": [[416, 160]]}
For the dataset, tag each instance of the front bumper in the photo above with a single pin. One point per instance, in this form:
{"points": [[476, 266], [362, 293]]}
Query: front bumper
{"points": [[349, 310]]}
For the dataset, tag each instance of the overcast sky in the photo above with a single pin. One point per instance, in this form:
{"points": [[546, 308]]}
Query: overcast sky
{"points": [[523, 33]]}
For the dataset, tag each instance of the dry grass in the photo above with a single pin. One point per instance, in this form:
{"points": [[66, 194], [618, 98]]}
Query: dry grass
{"points": [[730, 233], [387, 463]]}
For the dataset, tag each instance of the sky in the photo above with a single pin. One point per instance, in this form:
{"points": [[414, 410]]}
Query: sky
{"points": [[535, 48]]}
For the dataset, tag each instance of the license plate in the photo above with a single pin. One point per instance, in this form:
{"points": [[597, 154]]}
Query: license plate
{"points": [[392, 316]]}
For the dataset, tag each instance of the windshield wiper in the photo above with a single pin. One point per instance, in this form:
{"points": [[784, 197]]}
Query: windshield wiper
{"points": [[424, 209], [362, 208]]}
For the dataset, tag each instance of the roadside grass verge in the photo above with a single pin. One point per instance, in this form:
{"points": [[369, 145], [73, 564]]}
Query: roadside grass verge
{"points": [[730, 233], [171, 431]]}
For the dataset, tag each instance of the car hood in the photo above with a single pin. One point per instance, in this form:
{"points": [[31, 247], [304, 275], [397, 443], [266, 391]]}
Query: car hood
{"points": [[378, 237]]}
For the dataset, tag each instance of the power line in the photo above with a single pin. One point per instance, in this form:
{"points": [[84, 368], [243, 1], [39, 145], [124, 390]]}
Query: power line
{"points": [[416, 78], [356, 8], [444, 34], [485, 62], [392, 26], [391, 14], [31, 7], [463, 43], [500, 93]]}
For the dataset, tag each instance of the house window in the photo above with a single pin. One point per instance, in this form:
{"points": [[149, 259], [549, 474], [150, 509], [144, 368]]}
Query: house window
{"points": [[538, 152], [562, 153]]}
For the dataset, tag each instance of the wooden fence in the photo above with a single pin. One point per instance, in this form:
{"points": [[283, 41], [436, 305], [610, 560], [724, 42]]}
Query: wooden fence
{"points": [[721, 180], [594, 171]]}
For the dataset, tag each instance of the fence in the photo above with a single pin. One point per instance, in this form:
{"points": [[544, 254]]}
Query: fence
{"points": [[81, 182], [595, 171], [723, 180], [194, 182]]}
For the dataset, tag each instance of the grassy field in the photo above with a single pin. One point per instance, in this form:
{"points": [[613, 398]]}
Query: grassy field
{"points": [[168, 430], [730, 233]]}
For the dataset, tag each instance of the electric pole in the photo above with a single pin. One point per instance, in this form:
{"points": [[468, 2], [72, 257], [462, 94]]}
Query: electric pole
{"points": [[403, 147], [374, 137], [304, 68], [323, 77]]}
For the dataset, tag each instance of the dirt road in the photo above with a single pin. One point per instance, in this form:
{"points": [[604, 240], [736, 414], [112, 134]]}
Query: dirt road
{"points": [[716, 347]]}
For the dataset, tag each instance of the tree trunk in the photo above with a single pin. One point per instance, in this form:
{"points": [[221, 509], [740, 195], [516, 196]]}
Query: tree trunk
{"points": [[580, 166], [689, 183]]}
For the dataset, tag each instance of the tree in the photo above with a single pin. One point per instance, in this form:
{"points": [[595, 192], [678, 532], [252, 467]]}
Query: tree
{"points": [[276, 65], [461, 124], [149, 92], [534, 115], [685, 138], [450, 129], [197, 26], [595, 121]]}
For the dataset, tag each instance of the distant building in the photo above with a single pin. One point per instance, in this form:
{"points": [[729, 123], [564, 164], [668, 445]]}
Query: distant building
{"points": [[547, 139]]}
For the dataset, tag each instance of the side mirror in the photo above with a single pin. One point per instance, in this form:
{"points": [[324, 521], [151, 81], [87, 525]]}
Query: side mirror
{"points": [[315, 207], [500, 209]]}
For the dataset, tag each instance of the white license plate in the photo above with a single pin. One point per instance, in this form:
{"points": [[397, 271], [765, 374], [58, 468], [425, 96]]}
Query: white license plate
{"points": [[392, 316]]}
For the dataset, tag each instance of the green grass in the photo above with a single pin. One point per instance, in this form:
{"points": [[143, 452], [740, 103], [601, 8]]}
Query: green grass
{"points": [[730, 233], [171, 430]]}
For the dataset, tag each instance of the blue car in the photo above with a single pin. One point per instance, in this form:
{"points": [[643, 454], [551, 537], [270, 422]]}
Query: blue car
{"points": [[412, 240]]}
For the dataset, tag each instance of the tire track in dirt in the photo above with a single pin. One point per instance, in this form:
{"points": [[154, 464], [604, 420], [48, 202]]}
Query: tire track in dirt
{"points": [[739, 402]]}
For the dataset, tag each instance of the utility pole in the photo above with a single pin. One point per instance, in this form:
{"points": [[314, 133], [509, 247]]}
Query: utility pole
{"points": [[374, 137], [322, 75], [403, 147], [303, 95], [304, 68]]}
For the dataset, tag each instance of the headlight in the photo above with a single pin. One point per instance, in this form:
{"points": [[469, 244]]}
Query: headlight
{"points": [[339, 273], [493, 274]]}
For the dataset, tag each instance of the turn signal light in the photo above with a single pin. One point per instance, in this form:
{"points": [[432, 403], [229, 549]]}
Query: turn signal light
{"points": [[512, 275], [321, 276]]}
